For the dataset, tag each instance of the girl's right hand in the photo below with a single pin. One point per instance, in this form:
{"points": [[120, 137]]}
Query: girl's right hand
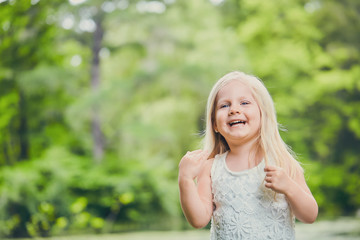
{"points": [[192, 163]]}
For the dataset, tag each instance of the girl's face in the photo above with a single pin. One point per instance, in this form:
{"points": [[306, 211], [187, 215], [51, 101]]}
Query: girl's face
{"points": [[237, 114]]}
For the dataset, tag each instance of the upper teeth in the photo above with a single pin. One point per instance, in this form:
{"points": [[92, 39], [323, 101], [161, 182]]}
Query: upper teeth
{"points": [[235, 122]]}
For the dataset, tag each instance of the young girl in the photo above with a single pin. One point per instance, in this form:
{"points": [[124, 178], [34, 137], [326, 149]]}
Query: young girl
{"points": [[252, 187]]}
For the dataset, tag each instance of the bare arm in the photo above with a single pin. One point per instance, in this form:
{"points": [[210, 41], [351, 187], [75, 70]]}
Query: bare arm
{"points": [[196, 201], [302, 202]]}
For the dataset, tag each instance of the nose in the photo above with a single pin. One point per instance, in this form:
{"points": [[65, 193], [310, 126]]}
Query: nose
{"points": [[234, 110]]}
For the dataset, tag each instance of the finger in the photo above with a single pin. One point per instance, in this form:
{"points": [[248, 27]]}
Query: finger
{"points": [[268, 185], [195, 152], [268, 179], [270, 168], [205, 154], [191, 154], [200, 154]]}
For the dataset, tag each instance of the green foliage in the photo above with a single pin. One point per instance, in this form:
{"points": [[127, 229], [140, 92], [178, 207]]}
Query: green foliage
{"points": [[91, 196]]}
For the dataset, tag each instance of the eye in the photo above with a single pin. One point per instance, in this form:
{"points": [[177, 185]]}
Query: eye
{"points": [[244, 103], [225, 105]]}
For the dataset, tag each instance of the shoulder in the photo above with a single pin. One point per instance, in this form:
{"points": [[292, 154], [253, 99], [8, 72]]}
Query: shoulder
{"points": [[296, 169], [299, 178], [209, 164]]}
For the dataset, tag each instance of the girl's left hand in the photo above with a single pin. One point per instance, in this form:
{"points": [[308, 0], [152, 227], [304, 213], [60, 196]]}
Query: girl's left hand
{"points": [[277, 179]]}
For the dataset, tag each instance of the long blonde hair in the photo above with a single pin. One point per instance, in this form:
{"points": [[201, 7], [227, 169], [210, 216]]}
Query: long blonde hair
{"points": [[269, 141]]}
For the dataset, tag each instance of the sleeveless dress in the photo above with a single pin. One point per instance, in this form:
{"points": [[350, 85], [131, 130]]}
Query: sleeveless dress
{"points": [[245, 208]]}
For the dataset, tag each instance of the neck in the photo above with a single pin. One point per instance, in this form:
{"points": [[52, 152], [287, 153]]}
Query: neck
{"points": [[246, 152]]}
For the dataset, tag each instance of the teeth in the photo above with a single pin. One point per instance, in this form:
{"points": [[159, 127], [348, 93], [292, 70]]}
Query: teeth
{"points": [[236, 122]]}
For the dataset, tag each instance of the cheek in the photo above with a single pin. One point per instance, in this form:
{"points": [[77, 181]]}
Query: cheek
{"points": [[257, 118], [217, 121], [220, 118]]}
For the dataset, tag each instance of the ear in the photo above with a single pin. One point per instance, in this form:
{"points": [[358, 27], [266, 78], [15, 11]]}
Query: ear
{"points": [[215, 128]]}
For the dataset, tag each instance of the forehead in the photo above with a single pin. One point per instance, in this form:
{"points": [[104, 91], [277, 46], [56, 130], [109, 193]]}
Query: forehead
{"points": [[234, 89]]}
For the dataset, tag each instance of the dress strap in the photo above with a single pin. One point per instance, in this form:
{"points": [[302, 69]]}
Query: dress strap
{"points": [[217, 164]]}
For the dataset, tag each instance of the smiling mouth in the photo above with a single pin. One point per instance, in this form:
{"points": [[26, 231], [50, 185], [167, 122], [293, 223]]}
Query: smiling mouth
{"points": [[236, 123]]}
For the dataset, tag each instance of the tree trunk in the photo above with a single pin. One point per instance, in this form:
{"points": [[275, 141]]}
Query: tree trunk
{"points": [[98, 142]]}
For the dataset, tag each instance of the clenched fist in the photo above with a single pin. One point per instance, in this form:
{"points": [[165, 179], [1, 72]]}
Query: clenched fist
{"points": [[277, 179], [192, 163]]}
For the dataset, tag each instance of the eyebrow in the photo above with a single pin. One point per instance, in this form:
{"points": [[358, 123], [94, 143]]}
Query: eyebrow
{"points": [[221, 100]]}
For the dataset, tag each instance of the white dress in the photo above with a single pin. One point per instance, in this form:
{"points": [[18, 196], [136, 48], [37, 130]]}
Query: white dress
{"points": [[245, 208]]}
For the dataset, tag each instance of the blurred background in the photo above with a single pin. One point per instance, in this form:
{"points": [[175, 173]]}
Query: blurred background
{"points": [[99, 100]]}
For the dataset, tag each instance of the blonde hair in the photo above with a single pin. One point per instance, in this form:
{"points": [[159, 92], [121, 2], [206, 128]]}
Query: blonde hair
{"points": [[269, 140]]}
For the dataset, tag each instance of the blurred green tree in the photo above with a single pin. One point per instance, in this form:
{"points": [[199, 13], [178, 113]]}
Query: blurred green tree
{"points": [[310, 50], [27, 35]]}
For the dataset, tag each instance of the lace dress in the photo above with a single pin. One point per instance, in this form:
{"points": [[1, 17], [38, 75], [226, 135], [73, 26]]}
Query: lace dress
{"points": [[245, 208]]}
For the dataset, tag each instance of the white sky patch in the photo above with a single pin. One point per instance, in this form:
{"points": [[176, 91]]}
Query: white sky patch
{"points": [[216, 2], [88, 12], [76, 2], [68, 22], [104, 53], [169, 1], [33, 2], [76, 60], [108, 7], [1, 1], [312, 6], [151, 7], [123, 4], [87, 25]]}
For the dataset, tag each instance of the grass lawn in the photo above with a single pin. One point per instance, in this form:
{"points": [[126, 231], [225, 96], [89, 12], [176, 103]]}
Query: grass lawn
{"points": [[340, 229]]}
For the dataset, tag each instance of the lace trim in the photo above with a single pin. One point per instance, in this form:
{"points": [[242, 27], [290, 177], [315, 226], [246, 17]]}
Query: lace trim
{"points": [[245, 208]]}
